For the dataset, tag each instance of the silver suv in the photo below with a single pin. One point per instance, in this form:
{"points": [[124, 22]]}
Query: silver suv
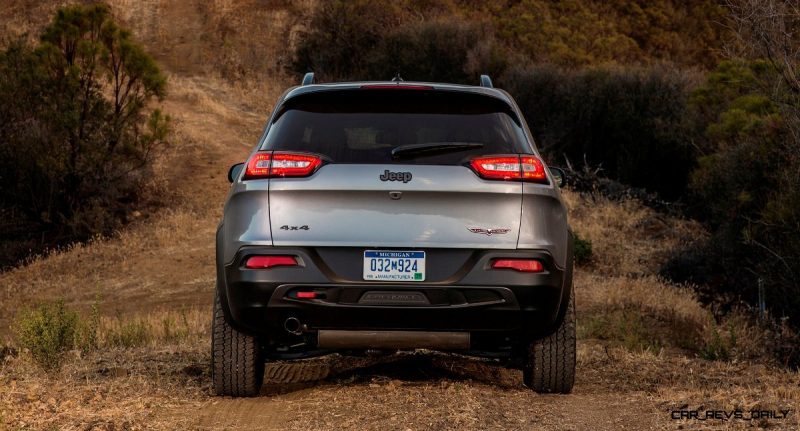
{"points": [[394, 215]]}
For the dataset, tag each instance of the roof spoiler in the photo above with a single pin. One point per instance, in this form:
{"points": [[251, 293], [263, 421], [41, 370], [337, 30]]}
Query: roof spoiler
{"points": [[308, 79]]}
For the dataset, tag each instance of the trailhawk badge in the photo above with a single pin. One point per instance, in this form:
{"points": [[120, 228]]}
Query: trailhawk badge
{"points": [[488, 232]]}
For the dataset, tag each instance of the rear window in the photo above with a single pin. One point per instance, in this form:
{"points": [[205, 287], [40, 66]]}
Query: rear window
{"points": [[364, 126]]}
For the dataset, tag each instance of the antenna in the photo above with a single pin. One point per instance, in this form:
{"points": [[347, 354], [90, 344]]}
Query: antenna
{"points": [[308, 79], [486, 81]]}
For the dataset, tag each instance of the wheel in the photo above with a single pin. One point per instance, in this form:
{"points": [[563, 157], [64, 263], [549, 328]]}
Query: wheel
{"points": [[550, 363], [237, 362]]}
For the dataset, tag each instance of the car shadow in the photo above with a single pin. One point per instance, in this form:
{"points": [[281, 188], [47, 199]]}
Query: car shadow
{"points": [[410, 367]]}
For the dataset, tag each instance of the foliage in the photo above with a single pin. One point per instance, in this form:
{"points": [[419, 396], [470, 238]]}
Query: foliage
{"points": [[718, 348], [745, 188], [633, 123], [360, 40], [47, 332], [601, 32], [77, 135], [583, 250], [445, 51], [341, 36], [430, 40]]}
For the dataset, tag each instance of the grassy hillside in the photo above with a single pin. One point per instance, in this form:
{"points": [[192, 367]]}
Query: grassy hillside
{"points": [[579, 33], [255, 38], [233, 39]]}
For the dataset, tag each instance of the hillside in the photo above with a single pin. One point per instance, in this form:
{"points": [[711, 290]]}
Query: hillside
{"points": [[641, 340]]}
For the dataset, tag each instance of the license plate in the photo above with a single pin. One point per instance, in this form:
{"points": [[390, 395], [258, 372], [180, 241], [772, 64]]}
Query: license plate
{"points": [[390, 265]]}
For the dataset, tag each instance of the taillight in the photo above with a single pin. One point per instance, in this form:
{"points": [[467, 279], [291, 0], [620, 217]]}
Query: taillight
{"points": [[533, 169], [264, 262], [277, 164], [293, 165], [525, 168], [257, 166], [521, 265]]}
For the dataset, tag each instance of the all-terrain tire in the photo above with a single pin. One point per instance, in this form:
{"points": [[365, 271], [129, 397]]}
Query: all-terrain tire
{"points": [[237, 362], [550, 363]]}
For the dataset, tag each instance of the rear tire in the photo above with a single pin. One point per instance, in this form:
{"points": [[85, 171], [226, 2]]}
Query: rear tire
{"points": [[237, 362], [550, 363]]}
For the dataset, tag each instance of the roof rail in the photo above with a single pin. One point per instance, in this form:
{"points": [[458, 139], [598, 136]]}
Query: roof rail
{"points": [[486, 81], [308, 79]]}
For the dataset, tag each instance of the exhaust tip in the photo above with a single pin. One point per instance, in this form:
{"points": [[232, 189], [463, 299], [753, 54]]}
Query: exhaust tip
{"points": [[293, 326]]}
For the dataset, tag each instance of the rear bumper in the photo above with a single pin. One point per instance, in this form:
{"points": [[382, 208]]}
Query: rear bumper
{"points": [[468, 297]]}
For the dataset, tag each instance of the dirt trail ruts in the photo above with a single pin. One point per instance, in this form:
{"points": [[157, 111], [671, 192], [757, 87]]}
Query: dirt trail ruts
{"points": [[419, 391]]}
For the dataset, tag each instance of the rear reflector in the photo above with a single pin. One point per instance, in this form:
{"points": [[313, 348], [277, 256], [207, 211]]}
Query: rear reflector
{"points": [[264, 262], [306, 295], [510, 168], [521, 265], [277, 164]]}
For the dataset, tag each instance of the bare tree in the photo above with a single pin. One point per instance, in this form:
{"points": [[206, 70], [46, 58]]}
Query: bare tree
{"points": [[768, 29]]}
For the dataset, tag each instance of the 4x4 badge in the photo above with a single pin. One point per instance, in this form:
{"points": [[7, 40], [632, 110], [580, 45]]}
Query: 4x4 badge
{"points": [[488, 232]]}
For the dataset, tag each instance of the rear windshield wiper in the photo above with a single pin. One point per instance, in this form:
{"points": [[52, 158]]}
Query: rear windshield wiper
{"points": [[432, 147]]}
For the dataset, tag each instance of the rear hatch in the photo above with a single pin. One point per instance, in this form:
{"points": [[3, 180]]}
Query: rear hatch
{"points": [[395, 171]]}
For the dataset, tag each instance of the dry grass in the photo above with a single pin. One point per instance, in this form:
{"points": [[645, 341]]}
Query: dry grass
{"points": [[111, 389], [627, 238], [640, 313], [622, 301], [186, 327]]}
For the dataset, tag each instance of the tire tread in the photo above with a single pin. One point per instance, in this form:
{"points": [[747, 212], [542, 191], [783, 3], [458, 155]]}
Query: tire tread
{"points": [[237, 364], [550, 363]]}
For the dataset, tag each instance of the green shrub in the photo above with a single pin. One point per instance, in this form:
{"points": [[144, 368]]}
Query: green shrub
{"points": [[374, 40], [342, 35], [582, 250], [438, 50], [746, 188], [48, 331], [636, 124], [78, 131], [717, 348]]}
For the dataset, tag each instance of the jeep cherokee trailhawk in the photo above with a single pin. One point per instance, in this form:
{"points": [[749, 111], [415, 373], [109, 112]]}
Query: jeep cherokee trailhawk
{"points": [[394, 216]]}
